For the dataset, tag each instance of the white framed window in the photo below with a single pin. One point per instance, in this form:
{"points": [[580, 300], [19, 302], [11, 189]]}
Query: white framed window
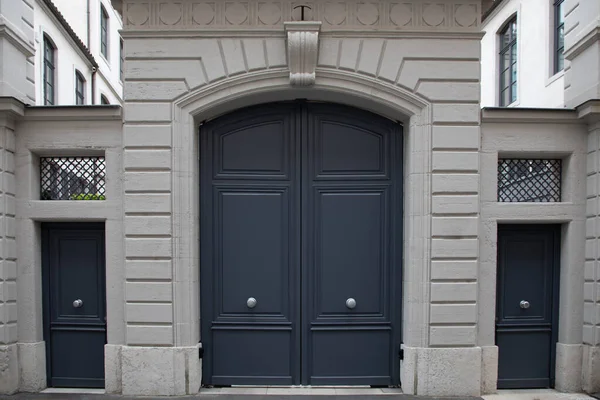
{"points": [[49, 71], [559, 36], [79, 88], [104, 31], [508, 63]]}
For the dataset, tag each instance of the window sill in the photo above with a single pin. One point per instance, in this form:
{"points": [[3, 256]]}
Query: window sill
{"points": [[511, 105], [555, 77]]}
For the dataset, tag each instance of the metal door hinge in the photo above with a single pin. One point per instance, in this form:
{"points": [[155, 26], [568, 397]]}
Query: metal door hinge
{"points": [[401, 354], [200, 352]]}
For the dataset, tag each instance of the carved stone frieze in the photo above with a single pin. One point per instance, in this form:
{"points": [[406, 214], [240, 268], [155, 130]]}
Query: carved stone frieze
{"points": [[303, 51], [340, 15]]}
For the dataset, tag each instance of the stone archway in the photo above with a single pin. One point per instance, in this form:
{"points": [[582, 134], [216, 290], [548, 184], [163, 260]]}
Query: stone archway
{"points": [[331, 86], [427, 80]]}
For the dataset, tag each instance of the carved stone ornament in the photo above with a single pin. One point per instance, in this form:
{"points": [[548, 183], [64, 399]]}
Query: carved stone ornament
{"points": [[303, 51], [461, 16]]}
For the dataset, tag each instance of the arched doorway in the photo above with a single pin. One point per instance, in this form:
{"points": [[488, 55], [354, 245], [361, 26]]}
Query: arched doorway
{"points": [[301, 246]]}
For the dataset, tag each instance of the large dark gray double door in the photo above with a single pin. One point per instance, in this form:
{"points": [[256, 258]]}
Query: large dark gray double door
{"points": [[300, 246]]}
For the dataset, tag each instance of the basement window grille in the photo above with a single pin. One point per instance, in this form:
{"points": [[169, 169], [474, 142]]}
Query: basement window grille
{"points": [[529, 180], [72, 178]]}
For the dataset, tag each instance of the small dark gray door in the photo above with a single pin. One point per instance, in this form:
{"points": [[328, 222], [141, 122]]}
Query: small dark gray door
{"points": [[74, 304], [301, 246], [527, 305]]}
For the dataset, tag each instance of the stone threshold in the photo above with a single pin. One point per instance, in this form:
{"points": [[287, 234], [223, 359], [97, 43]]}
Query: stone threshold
{"points": [[238, 393], [302, 390]]}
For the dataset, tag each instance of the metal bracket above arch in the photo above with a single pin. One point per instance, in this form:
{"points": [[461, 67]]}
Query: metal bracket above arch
{"points": [[303, 51]]}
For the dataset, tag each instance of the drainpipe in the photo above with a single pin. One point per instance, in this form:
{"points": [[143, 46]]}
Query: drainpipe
{"points": [[88, 23], [94, 70]]}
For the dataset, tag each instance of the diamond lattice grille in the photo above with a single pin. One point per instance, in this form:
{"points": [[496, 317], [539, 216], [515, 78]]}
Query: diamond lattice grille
{"points": [[72, 178], [529, 180]]}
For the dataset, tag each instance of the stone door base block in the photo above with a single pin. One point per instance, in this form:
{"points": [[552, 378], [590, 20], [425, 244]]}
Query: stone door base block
{"points": [[489, 373], [568, 367], [32, 362], [442, 371], [9, 369], [152, 371], [591, 369]]}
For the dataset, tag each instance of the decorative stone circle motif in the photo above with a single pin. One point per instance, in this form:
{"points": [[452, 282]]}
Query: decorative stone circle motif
{"points": [[367, 13], [170, 13], [465, 15], [138, 14], [335, 13], [454, 15], [433, 14], [203, 13], [236, 13], [269, 13], [401, 14]]}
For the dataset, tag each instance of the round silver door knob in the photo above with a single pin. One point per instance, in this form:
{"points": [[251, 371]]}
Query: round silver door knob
{"points": [[78, 303], [524, 304], [351, 303], [251, 302]]}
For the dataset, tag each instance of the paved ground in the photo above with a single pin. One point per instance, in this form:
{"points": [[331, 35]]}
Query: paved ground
{"points": [[62, 396], [251, 394], [536, 394], [306, 394]]}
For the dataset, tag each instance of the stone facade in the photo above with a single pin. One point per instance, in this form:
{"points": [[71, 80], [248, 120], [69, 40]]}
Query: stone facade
{"points": [[188, 61], [17, 44], [207, 66]]}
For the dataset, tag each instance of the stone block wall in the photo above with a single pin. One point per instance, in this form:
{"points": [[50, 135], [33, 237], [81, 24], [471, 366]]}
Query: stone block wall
{"points": [[17, 50], [527, 133], [582, 51], [147, 156], [167, 71], [9, 370], [591, 292]]}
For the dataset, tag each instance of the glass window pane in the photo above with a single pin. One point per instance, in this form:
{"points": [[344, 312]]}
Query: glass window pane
{"points": [[504, 40], [560, 13], [560, 61], [561, 37], [505, 61], [504, 83], [505, 98], [513, 93]]}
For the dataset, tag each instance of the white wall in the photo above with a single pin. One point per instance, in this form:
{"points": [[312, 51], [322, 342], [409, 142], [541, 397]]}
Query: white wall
{"points": [[108, 80], [537, 85], [75, 12], [109, 67], [67, 60]]}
